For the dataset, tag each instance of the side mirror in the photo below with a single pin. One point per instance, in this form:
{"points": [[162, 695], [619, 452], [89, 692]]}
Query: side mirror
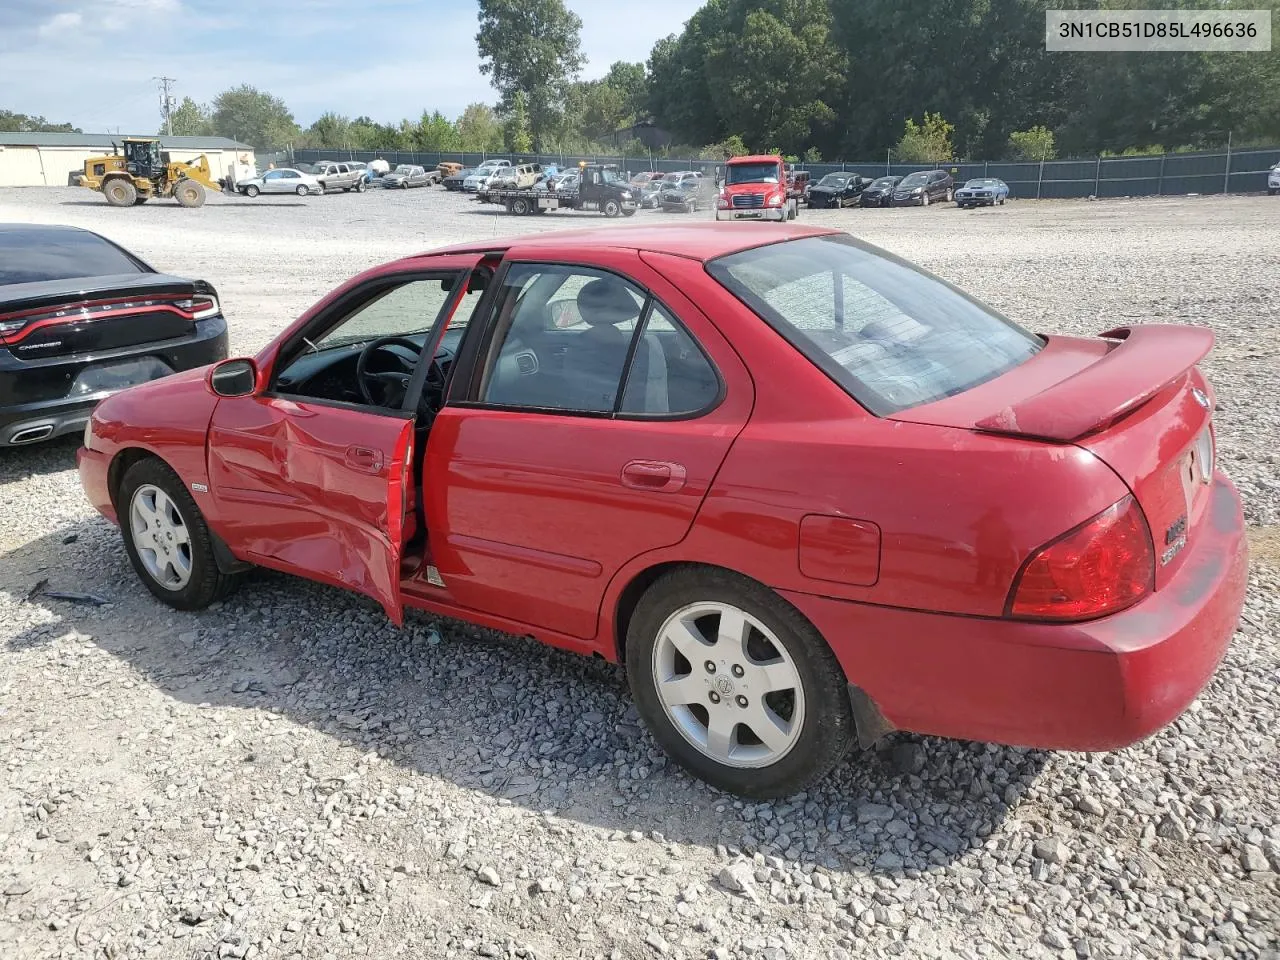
{"points": [[233, 378]]}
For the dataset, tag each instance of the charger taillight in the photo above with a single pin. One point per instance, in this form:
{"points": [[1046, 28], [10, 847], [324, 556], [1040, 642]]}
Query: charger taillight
{"points": [[1100, 567]]}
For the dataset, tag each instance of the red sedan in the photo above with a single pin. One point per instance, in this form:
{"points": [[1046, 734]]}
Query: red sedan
{"points": [[807, 492]]}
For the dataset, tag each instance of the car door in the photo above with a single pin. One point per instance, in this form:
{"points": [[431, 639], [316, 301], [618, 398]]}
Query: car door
{"points": [[587, 434], [321, 487]]}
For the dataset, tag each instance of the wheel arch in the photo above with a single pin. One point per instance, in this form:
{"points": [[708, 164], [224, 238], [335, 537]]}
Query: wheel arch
{"points": [[870, 723], [125, 458]]}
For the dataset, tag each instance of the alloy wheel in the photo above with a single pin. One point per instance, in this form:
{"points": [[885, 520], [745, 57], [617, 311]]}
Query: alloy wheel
{"points": [[160, 536], [729, 685]]}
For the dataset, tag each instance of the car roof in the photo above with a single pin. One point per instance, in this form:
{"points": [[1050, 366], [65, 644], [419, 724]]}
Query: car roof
{"points": [[696, 241], [37, 229]]}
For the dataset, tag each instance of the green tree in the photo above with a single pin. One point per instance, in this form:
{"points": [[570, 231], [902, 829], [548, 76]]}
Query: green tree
{"points": [[926, 142], [1034, 144], [253, 116], [516, 133], [22, 123], [436, 133], [479, 130], [190, 120], [679, 93], [724, 150], [771, 69], [331, 131], [533, 48], [812, 155], [368, 134], [632, 85]]}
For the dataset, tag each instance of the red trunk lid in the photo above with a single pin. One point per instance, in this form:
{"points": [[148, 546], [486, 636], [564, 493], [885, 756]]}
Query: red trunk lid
{"points": [[1134, 398]]}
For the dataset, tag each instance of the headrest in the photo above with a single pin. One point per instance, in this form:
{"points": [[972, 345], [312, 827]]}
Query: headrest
{"points": [[606, 302]]}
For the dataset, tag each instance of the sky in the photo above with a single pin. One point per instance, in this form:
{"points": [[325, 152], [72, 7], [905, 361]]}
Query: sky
{"points": [[91, 63]]}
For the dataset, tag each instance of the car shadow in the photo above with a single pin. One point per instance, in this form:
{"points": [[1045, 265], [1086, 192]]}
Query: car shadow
{"points": [[39, 459], [501, 715]]}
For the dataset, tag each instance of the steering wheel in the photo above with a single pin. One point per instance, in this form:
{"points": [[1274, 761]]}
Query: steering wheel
{"points": [[392, 384]]}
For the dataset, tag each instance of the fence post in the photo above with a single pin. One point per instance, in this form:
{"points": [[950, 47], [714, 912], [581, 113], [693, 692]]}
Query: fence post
{"points": [[986, 166], [1040, 178], [1226, 173], [887, 154], [1097, 172], [1160, 185]]}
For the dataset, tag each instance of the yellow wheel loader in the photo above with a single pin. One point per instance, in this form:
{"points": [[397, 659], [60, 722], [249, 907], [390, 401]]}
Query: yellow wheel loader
{"points": [[139, 171]]}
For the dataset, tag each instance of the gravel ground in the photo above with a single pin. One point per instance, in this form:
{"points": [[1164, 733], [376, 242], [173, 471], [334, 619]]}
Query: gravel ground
{"points": [[287, 775]]}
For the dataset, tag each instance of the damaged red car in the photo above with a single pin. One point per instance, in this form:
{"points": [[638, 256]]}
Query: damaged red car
{"points": [[806, 491]]}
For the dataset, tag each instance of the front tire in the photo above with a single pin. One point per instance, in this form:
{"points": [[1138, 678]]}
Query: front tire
{"points": [[251, 192], [924, 199], [611, 208], [166, 538], [736, 685], [189, 194]]}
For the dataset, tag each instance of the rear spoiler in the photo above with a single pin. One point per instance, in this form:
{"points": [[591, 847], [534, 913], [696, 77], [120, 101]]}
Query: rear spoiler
{"points": [[1146, 359]]}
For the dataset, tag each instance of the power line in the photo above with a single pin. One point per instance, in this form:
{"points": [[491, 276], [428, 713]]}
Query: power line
{"points": [[167, 102]]}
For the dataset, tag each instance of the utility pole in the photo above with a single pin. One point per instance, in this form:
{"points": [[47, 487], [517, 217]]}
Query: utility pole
{"points": [[167, 102]]}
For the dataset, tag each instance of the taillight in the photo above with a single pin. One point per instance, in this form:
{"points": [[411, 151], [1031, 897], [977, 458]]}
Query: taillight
{"points": [[201, 307], [1104, 565]]}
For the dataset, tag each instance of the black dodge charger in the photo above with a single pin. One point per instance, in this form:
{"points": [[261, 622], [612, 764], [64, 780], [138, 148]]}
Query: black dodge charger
{"points": [[81, 318]]}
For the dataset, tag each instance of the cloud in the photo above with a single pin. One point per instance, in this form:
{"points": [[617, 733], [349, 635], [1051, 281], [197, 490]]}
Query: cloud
{"points": [[61, 23]]}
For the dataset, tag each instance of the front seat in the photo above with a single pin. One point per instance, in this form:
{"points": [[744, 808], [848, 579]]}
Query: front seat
{"points": [[594, 359]]}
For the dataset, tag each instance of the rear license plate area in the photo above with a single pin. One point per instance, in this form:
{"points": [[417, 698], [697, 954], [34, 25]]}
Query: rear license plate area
{"points": [[101, 377]]}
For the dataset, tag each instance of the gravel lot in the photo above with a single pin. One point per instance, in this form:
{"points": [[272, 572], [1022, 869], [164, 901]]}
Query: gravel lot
{"points": [[288, 775]]}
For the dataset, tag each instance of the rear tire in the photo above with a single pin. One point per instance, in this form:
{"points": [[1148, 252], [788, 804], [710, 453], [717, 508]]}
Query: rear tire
{"points": [[754, 663], [303, 191], [189, 194], [520, 206], [120, 192], [152, 483]]}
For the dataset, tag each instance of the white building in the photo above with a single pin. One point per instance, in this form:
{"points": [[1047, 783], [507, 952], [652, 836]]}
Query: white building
{"points": [[48, 159]]}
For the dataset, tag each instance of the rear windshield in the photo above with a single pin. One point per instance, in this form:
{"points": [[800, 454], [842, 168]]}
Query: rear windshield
{"points": [[751, 173], [915, 180], [890, 334], [33, 256]]}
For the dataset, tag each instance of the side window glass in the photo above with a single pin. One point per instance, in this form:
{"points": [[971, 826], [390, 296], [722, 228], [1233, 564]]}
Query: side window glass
{"points": [[566, 340], [669, 374]]}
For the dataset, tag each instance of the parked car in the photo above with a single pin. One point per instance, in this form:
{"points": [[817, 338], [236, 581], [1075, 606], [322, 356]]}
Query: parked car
{"points": [[520, 177], [406, 175], [879, 192], [281, 180], [1273, 181], [923, 188], [480, 177], [448, 168], [648, 196], [81, 318], [798, 184], [838, 190], [982, 192], [681, 196], [757, 513], [455, 181], [339, 176]]}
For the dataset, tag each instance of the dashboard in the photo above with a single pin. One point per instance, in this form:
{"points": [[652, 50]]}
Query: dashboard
{"points": [[330, 374]]}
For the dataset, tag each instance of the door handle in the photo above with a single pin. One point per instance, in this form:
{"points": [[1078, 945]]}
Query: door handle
{"points": [[364, 458], [659, 476]]}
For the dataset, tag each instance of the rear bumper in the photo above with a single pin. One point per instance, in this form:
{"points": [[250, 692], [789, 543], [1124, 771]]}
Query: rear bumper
{"points": [[1088, 686], [39, 407], [753, 213]]}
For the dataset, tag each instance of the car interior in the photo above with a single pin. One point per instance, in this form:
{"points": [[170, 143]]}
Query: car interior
{"points": [[565, 338]]}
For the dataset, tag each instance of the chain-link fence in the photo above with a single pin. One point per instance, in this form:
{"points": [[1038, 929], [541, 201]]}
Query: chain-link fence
{"points": [[1238, 171]]}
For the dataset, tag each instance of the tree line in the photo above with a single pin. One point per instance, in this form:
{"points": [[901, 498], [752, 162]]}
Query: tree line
{"points": [[921, 80]]}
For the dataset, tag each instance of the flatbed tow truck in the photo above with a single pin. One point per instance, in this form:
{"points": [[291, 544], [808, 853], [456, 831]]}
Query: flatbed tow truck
{"points": [[600, 188]]}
